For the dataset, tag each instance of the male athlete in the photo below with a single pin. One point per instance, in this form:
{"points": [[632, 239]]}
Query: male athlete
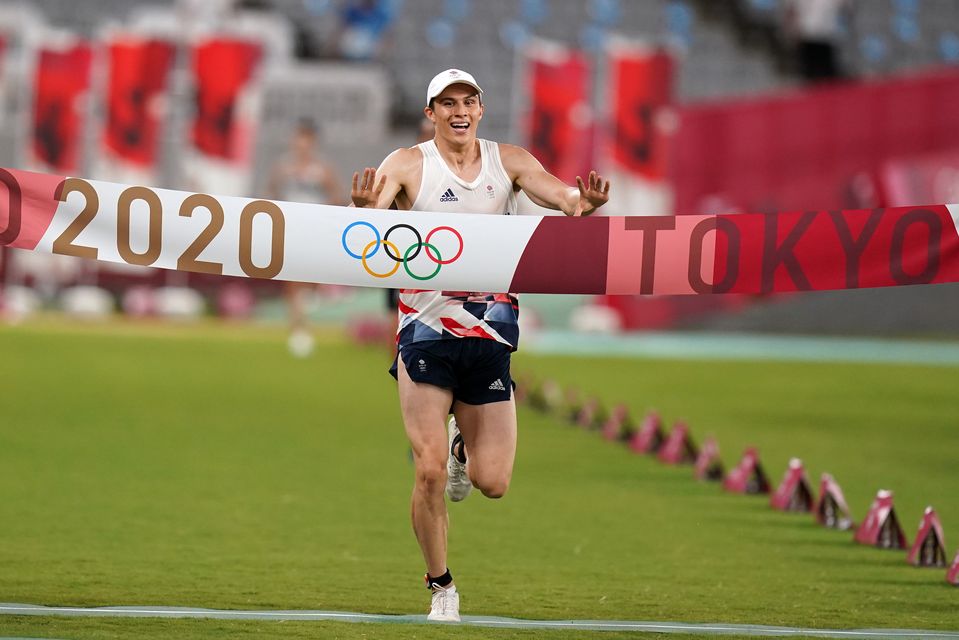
{"points": [[454, 347]]}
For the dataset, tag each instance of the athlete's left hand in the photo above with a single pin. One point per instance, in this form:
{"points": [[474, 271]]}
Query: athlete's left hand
{"points": [[592, 195], [366, 190]]}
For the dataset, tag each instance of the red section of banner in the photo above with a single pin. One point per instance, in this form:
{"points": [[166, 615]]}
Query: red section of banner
{"points": [[568, 250], [139, 70], [223, 69], [820, 148], [765, 253], [28, 201], [62, 78], [641, 91], [745, 253], [560, 122]]}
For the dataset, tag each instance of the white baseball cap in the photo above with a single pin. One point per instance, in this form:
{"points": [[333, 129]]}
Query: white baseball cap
{"points": [[444, 79]]}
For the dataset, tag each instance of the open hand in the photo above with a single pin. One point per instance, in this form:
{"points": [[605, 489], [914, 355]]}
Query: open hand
{"points": [[366, 190], [592, 194]]}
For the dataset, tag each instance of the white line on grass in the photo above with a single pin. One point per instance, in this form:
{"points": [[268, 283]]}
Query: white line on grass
{"points": [[514, 623], [745, 346]]}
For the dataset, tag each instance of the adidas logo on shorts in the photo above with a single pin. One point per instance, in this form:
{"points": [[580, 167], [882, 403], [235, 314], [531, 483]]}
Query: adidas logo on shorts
{"points": [[497, 385], [449, 196]]}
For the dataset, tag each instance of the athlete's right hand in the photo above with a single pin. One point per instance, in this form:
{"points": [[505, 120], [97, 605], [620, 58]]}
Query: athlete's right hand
{"points": [[366, 190]]}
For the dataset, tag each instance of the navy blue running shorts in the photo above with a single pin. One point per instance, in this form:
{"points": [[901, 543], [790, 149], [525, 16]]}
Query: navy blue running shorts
{"points": [[475, 369]]}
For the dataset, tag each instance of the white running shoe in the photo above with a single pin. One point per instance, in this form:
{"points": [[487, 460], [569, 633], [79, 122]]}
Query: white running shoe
{"points": [[458, 484], [445, 606], [300, 343]]}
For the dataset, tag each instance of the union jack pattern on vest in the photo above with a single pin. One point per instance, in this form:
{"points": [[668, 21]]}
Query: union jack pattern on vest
{"points": [[442, 315]]}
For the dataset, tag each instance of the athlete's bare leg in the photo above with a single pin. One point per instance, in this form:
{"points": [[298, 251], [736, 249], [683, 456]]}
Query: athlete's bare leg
{"points": [[300, 341], [424, 408], [295, 293], [489, 433]]}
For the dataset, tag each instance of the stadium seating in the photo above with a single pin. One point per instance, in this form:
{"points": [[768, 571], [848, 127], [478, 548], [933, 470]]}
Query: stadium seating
{"points": [[884, 36]]}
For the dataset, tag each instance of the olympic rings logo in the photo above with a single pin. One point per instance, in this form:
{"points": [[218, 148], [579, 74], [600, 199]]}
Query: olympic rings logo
{"points": [[405, 257]]}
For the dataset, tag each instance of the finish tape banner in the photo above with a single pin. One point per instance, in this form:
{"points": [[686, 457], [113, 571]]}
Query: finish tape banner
{"points": [[741, 253]]}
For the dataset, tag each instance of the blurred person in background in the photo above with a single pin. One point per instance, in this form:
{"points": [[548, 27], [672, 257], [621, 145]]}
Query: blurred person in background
{"points": [[455, 347], [304, 175], [816, 27]]}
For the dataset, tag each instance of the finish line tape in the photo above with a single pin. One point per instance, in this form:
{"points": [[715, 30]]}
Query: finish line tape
{"points": [[668, 255], [482, 621]]}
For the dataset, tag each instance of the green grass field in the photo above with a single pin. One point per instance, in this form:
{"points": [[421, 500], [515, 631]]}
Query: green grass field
{"points": [[203, 466]]}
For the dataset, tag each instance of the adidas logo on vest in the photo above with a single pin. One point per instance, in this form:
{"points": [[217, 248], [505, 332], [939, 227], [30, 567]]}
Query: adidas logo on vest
{"points": [[449, 196], [497, 385]]}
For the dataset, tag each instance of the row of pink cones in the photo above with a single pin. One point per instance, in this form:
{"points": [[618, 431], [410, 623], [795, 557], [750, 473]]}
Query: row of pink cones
{"points": [[880, 527]]}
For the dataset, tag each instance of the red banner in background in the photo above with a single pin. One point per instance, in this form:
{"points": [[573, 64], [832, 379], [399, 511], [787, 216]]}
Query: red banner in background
{"points": [[560, 121], [139, 73], [817, 149], [641, 87], [223, 69], [61, 81]]}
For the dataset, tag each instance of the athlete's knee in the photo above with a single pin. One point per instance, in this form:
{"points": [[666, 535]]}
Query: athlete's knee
{"points": [[491, 485], [431, 475], [495, 489]]}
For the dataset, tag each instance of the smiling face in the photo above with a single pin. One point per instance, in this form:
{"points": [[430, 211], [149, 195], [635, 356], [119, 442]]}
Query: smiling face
{"points": [[456, 112]]}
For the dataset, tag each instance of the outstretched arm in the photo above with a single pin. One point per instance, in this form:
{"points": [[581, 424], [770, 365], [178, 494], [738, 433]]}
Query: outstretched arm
{"points": [[377, 188], [547, 190]]}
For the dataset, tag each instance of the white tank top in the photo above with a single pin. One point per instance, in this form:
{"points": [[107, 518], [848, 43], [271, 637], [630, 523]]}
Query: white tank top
{"points": [[444, 315], [443, 191]]}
